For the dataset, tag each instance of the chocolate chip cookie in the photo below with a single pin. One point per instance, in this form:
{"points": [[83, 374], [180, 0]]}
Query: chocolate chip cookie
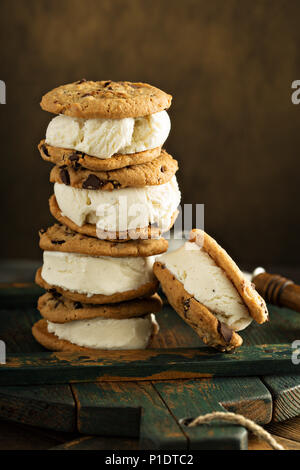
{"points": [[58, 309], [105, 99], [158, 171], [61, 238], [60, 156]]}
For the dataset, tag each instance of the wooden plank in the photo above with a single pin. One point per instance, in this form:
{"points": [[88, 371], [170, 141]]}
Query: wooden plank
{"points": [[283, 327], [99, 443], [257, 444], [289, 429], [247, 396], [16, 436], [19, 294], [15, 329], [51, 407], [285, 390], [174, 332], [127, 409], [63, 367], [189, 399]]}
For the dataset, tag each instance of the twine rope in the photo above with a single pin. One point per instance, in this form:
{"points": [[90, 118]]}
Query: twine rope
{"points": [[236, 419]]}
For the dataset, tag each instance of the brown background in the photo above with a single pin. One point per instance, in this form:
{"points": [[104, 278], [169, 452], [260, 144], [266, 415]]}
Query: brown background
{"points": [[229, 65]]}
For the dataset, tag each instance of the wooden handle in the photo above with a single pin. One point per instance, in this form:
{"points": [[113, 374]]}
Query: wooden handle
{"points": [[278, 290]]}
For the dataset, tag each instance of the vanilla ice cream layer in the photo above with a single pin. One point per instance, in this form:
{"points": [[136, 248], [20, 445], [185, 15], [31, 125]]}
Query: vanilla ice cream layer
{"points": [[106, 333], [96, 275], [208, 283], [120, 209], [103, 138]]}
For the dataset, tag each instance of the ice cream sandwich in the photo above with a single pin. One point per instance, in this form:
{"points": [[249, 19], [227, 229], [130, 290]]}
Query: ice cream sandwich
{"points": [[74, 326], [208, 290], [90, 270]]}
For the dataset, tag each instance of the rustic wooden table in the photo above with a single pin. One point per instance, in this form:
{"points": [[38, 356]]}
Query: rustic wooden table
{"points": [[20, 437], [15, 436]]}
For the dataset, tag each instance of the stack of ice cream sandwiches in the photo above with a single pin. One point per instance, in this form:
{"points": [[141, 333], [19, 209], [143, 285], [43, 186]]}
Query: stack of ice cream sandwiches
{"points": [[115, 194]]}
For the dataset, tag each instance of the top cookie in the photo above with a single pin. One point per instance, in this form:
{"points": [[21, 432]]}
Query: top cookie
{"points": [[105, 99]]}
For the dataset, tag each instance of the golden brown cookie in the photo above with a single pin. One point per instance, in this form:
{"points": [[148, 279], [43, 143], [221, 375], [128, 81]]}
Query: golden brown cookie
{"points": [[61, 238], [90, 229], [255, 303], [58, 309], [60, 156], [52, 342], [158, 171], [145, 290], [105, 99], [212, 332]]}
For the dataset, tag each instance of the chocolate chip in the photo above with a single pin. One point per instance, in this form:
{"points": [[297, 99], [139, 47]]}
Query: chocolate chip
{"points": [[77, 305], [45, 150], [86, 94], [64, 176], [224, 331], [135, 85], [162, 169], [58, 242], [107, 83], [92, 182], [73, 157], [186, 304], [81, 81], [54, 293], [74, 160]]}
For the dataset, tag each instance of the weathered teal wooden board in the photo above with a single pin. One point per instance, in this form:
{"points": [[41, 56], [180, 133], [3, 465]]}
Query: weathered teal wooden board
{"points": [[177, 353], [129, 410], [285, 391], [259, 380], [45, 406], [154, 364], [19, 294], [248, 396], [153, 411]]}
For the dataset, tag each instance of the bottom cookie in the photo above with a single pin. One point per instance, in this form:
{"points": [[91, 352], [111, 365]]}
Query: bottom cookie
{"points": [[58, 309], [135, 333]]}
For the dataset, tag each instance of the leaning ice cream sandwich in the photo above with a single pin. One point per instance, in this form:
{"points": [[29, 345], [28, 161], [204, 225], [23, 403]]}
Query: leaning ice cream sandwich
{"points": [[208, 290]]}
